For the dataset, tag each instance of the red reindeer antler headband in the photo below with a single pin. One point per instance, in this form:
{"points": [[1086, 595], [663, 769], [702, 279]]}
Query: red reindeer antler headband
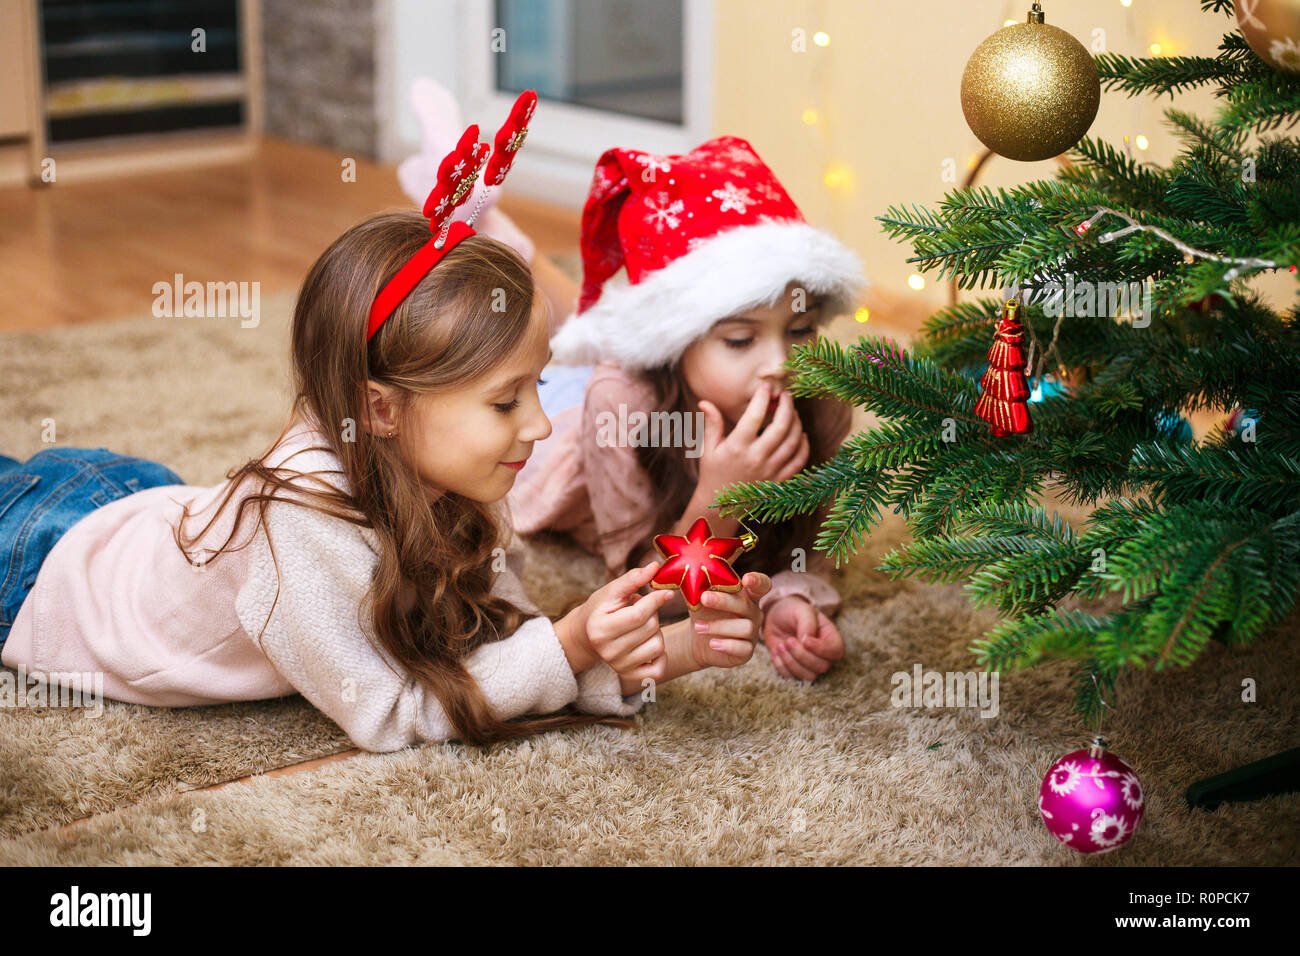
{"points": [[457, 174]]}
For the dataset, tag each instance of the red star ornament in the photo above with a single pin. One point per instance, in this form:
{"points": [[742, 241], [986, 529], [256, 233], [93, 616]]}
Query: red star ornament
{"points": [[697, 563]]}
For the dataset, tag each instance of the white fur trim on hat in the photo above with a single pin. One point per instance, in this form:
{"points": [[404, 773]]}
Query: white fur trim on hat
{"points": [[652, 322]]}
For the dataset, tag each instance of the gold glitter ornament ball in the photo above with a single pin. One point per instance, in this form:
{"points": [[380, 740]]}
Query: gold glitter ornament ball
{"points": [[1030, 91], [1272, 28]]}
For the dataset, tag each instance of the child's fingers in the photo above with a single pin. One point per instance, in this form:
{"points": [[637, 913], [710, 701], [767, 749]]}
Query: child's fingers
{"points": [[647, 651], [756, 583], [797, 670], [778, 659], [634, 615], [826, 649], [713, 426], [805, 620], [629, 626], [774, 436], [732, 647], [781, 657], [746, 429], [726, 627], [727, 602], [619, 592], [621, 649], [827, 643], [654, 670], [789, 440], [629, 583], [795, 465], [628, 631], [807, 659], [637, 657]]}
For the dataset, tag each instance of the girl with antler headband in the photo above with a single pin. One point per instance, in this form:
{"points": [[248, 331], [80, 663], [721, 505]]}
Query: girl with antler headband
{"points": [[353, 562], [700, 274]]}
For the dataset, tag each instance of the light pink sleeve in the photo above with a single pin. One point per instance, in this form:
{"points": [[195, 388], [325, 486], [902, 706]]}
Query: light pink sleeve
{"points": [[810, 585], [622, 501]]}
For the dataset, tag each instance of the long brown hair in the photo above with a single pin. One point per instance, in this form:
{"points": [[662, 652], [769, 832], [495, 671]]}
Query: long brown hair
{"points": [[444, 335], [674, 477]]}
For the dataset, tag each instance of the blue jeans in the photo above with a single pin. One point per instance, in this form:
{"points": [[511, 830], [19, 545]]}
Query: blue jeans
{"points": [[43, 498]]}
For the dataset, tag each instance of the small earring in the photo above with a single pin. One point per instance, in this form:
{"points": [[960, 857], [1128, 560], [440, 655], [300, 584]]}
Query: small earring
{"points": [[390, 434]]}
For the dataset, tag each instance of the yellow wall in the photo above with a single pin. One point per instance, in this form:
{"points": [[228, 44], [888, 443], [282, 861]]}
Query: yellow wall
{"points": [[887, 91]]}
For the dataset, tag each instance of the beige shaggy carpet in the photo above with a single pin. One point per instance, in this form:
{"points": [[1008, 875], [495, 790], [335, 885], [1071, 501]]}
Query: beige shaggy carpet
{"points": [[727, 767]]}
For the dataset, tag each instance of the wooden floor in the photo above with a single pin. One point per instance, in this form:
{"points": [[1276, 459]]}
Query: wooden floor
{"points": [[85, 252]]}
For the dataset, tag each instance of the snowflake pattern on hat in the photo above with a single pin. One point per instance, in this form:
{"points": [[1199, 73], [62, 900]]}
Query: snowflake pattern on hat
{"points": [[651, 164], [741, 156], [664, 212], [732, 198]]}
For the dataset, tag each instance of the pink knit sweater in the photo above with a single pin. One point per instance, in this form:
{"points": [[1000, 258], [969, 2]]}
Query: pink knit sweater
{"points": [[116, 596], [574, 484]]}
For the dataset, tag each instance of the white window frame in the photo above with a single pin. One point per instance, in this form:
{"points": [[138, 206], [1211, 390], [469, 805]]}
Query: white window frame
{"points": [[564, 140]]}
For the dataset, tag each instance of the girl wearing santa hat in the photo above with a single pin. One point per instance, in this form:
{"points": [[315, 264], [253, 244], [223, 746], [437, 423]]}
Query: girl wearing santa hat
{"points": [[700, 274]]}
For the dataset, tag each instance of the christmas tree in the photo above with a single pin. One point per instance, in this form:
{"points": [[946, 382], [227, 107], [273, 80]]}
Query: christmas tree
{"points": [[1201, 539]]}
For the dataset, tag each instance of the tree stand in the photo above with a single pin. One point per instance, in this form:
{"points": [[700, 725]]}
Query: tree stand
{"points": [[1277, 774]]}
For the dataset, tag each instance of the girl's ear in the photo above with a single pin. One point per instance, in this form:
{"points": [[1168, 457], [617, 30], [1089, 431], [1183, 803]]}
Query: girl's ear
{"points": [[381, 409]]}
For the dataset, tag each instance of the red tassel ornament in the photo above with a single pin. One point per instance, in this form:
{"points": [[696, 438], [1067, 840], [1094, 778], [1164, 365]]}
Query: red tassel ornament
{"points": [[1004, 387]]}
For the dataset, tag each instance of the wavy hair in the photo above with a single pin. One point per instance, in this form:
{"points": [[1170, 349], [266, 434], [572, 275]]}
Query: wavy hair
{"points": [[431, 595]]}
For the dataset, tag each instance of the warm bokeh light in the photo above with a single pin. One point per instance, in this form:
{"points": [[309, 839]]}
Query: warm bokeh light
{"points": [[836, 176], [810, 117], [1155, 49], [1142, 142], [821, 39], [862, 314], [916, 281]]}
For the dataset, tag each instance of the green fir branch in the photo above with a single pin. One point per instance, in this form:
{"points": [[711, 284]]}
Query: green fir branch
{"points": [[879, 376], [1163, 74], [1032, 638], [1260, 479], [1215, 138], [804, 493]]}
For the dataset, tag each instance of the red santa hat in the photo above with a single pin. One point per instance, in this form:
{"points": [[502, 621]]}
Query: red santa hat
{"points": [[700, 236]]}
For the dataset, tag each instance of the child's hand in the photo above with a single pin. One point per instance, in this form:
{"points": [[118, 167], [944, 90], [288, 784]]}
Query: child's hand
{"points": [[803, 641], [732, 622], [626, 635], [745, 455]]}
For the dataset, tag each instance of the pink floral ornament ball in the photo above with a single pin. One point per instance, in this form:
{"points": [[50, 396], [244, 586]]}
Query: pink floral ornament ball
{"points": [[1091, 800]]}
